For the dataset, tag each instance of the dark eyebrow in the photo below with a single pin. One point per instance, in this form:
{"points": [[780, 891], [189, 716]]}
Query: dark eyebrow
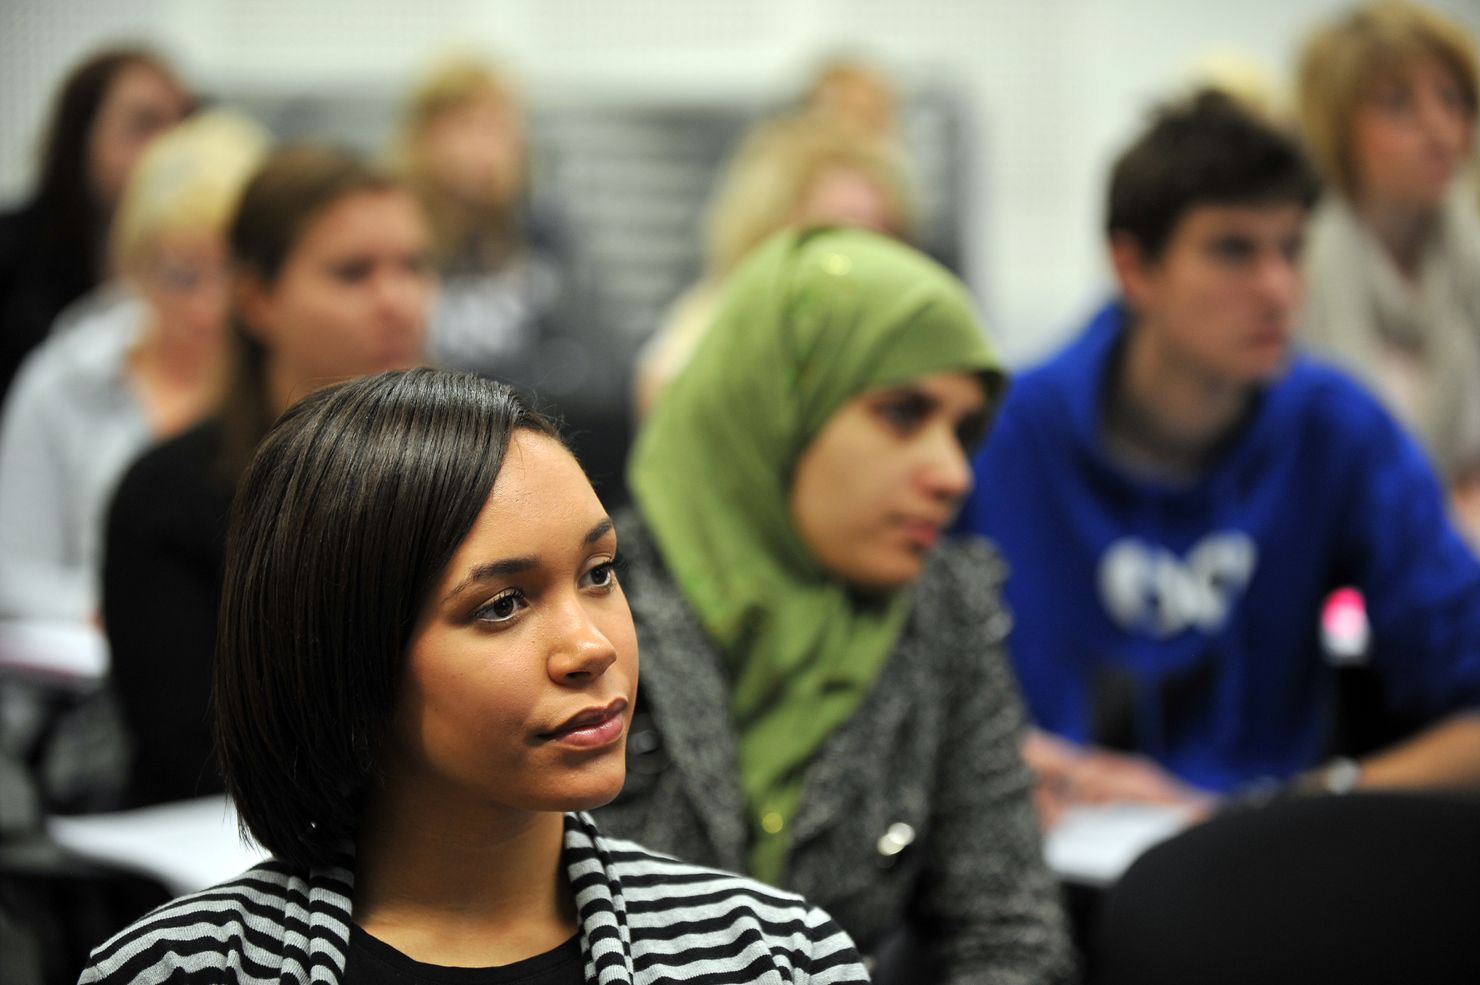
{"points": [[515, 565], [598, 531], [494, 569]]}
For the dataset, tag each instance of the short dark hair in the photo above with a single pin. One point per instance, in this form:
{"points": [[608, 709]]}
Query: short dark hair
{"points": [[347, 515], [1205, 151]]}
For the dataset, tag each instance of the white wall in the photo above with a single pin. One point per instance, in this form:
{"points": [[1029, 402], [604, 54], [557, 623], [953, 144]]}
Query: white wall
{"points": [[1053, 85]]}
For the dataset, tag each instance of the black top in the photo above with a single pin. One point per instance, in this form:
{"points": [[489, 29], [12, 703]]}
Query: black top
{"points": [[163, 562], [38, 278], [373, 962]]}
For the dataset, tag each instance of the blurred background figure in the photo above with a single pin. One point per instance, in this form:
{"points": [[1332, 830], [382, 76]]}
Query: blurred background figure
{"points": [[1388, 102], [854, 93], [511, 306], [825, 700], [53, 247], [463, 152], [798, 170], [332, 279], [1243, 77], [146, 367]]}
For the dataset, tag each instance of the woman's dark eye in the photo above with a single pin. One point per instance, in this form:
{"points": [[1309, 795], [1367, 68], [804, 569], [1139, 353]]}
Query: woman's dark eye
{"points": [[972, 429], [603, 575], [904, 415], [1394, 101], [352, 272], [502, 608]]}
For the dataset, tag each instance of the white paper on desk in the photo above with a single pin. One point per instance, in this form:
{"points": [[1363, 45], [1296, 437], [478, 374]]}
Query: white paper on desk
{"points": [[68, 652], [1096, 844], [188, 845]]}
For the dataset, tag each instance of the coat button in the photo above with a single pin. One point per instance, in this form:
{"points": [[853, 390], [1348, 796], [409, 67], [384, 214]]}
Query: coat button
{"points": [[772, 823], [896, 839]]}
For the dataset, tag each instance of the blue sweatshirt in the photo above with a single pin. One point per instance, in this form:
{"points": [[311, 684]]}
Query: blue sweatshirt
{"points": [[1194, 609]]}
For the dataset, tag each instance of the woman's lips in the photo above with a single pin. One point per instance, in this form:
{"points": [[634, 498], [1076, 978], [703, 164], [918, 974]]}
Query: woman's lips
{"points": [[922, 533], [593, 728]]}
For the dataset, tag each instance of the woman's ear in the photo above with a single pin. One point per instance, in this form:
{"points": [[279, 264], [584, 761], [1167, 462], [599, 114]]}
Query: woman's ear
{"points": [[253, 302]]}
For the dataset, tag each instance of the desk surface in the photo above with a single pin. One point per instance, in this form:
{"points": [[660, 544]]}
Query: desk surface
{"points": [[194, 844], [187, 846], [68, 654], [1092, 846]]}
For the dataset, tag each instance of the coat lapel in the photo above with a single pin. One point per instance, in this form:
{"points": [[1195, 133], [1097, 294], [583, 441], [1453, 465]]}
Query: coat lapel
{"points": [[832, 782], [685, 683]]}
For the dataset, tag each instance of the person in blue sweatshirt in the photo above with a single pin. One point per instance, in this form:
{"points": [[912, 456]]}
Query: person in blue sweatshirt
{"points": [[1178, 491]]}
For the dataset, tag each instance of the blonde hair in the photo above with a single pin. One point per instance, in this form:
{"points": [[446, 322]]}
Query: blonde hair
{"points": [[1344, 59], [189, 179], [854, 92], [769, 177], [451, 84], [1244, 78]]}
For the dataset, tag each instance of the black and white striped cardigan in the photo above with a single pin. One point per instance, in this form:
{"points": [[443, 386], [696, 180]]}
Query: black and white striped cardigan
{"points": [[645, 918]]}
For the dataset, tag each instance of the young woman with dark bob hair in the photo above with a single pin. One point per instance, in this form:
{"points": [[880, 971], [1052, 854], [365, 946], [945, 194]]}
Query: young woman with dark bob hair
{"points": [[426, 670]]}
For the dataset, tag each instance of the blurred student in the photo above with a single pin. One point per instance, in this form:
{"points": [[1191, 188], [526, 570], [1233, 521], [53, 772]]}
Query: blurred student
{"points": [[855, 93], [792, 171], [511, 306], [53, 249], [331, 279], [1176, 494], [464, 154], [426, 673], [92, 397], [1388, 96], [826, 704]]}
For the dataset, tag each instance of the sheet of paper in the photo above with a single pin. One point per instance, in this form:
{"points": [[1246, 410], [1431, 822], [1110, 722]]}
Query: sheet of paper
{"points": [[1093, 845], [61, 652], [187, 846]]}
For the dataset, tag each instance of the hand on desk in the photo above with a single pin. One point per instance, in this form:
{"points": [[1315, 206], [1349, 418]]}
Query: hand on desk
{"points": [[1069, 774]]}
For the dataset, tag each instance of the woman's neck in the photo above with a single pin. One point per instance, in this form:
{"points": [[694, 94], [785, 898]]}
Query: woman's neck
{"points": [[1402, 231], [460, 886], [177, 381]]}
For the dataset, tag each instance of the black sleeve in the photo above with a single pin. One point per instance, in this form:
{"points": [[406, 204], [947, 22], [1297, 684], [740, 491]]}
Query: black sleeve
{"points": [[161, 590]]}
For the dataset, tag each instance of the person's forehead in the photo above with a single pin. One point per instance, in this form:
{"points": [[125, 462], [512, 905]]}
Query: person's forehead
{"points": [[541, 505], [1420, 66], [538, 473], [1246, 218]]}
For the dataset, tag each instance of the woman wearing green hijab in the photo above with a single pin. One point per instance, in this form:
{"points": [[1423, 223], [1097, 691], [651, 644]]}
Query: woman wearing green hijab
{"points": [[825, 703]]}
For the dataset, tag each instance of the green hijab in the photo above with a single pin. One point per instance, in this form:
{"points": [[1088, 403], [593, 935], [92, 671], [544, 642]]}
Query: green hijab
{"points": [[809, 321]]}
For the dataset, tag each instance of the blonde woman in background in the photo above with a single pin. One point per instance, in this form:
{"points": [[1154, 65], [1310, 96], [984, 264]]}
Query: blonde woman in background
{"points": [[856, 93], [133, 372], [1387, 99], [799, 170], [462, 151]]}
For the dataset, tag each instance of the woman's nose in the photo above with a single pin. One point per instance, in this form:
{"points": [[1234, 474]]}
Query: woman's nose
{"points": [[581, 651], [948, 471]]}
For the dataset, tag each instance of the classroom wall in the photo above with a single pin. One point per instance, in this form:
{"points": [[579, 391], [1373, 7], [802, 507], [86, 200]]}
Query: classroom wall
{"points": [[1051, 86]]}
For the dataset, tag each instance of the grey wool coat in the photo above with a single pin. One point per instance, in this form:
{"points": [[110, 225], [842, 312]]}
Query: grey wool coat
{"points": [[915, 813]]}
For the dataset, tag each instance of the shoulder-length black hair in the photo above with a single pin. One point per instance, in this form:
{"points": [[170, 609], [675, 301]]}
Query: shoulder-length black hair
{"points": [[347, 515]]}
